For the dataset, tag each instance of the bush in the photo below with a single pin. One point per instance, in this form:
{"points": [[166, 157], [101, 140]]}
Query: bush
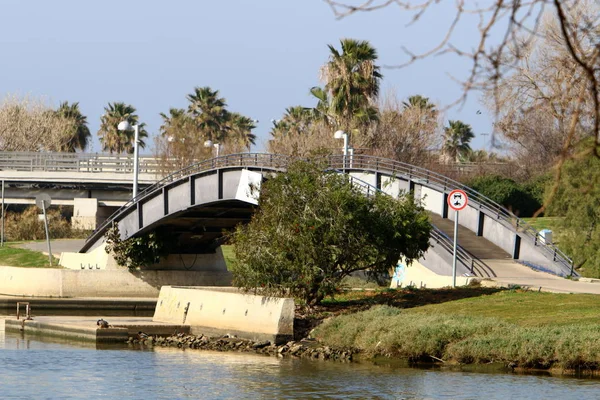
{"points": [[313, 228], [138, 251], [27, 225], [522, 200]]}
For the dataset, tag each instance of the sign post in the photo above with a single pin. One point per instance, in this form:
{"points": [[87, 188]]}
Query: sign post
{"points": [[457, 200], [43, 201]]}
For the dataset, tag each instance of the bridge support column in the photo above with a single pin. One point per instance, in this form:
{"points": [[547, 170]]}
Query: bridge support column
{"points": [[445, 206], [85, 213], [517, 248], [480, 220]]}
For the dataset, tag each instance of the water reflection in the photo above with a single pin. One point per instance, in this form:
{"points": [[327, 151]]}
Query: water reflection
{"points": [[37, 368]]}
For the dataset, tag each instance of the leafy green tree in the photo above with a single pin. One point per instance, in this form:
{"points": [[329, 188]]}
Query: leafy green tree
{"points": [[352, 81], [314, 227], [457, 138], [578, 201], [522, 200], [112, 139], [81, 135]]}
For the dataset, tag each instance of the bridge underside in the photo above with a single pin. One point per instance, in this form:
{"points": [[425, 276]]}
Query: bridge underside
{"points": [[202, 229]]}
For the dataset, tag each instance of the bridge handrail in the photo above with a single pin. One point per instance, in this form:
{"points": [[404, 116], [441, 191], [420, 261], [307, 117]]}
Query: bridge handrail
{"points": [[356, 162], [362, 161], [462, 256], [259, 160], [78, 162]]}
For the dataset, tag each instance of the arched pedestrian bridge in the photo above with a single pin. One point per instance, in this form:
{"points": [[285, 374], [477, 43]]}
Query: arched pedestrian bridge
{"points": [[198, 203]]}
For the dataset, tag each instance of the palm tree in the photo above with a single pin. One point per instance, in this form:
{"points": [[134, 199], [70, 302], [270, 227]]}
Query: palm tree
{"points": [[177, 125], [239, 128], [352, 81], [457, 136], [81, 135], [114, 140], [295, 121], [209, 112], [420, 102], [321, 111]]}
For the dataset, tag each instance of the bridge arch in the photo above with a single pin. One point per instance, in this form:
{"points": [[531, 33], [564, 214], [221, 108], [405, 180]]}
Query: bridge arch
{"points": [[209, 191]]}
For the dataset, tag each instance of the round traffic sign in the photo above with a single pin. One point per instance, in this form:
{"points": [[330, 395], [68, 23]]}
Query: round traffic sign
{"points": [[457, 199], [43, 200]]}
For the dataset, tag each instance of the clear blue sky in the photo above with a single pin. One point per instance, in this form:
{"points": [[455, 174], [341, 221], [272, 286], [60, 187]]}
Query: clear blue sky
{"points": [[262, 56]]}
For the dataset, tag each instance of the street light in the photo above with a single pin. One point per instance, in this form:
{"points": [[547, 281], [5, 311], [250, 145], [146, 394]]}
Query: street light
{"points": [[126, 126], [209, 143], [343, 135]]}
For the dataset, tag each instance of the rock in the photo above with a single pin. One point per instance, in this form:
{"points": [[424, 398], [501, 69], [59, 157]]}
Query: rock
{"points": [[295, 349], [260, 345]]}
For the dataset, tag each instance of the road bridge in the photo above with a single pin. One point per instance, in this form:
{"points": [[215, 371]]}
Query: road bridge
{"points": [[197, 203], [96, 185]]}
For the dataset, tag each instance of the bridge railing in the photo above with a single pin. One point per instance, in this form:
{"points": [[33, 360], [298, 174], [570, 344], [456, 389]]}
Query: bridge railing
{"points": [[255, 160], [78, 162], [441, 182]]}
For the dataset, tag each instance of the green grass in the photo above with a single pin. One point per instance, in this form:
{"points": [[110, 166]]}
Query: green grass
{"points": [[228, 254], [530, 329], [15, 257], [540, 223]]}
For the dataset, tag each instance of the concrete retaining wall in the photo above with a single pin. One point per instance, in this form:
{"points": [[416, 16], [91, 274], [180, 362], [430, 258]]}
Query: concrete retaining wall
{"points": [[214, 311], [48, 282], [420, 276], [99, 259]]}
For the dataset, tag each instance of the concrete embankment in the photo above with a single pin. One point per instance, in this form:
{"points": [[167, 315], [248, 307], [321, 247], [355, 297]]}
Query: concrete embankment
{"points": [[206, 310], [86, 328], [78, 306], [51, 282], [219, 311]]}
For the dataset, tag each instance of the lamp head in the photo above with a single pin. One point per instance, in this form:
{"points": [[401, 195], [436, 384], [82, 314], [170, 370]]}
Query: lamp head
{"points": [[124, 126], [339, 134], [208, 143]]}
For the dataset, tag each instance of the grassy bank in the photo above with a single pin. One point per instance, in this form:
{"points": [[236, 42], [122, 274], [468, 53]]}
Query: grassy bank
{"points": [[520, 329], [16, 257]]}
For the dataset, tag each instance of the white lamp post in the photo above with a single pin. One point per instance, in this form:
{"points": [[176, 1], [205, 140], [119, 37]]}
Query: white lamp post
{"points": [[126, 126], [209, 143], [343, 135]]}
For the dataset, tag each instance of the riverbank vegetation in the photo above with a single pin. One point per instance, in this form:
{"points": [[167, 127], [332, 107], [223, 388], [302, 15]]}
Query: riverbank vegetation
{"points": [[512, 327]]}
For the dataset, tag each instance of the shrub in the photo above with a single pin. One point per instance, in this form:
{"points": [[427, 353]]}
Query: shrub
{"points": [[28, 226], [522, 200]]}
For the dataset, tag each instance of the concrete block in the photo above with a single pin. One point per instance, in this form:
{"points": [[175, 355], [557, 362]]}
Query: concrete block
{"points": [[84, 213], [217, 311]]}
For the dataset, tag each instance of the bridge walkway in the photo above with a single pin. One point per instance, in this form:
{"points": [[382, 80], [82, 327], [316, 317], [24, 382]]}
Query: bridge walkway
{"points": [[477, 246]]}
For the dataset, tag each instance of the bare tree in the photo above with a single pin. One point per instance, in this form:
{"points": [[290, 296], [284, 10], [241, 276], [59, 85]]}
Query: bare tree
{"points": [[541, 103], [509, 26], [315, 137], [29, 124], [405, 133]]}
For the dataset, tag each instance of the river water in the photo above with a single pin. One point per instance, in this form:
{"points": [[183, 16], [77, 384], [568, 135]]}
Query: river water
{"points": [[38, 368]]}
